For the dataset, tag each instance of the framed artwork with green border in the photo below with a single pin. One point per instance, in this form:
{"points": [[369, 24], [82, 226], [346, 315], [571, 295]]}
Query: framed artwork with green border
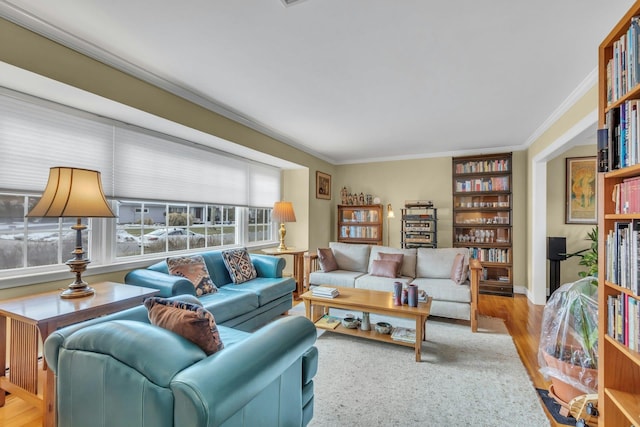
{"points": [[581, 204]]}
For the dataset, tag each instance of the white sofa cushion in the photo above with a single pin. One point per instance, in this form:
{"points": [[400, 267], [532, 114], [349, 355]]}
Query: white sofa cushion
{"points": [[408, 260], [334, 278], [444, 289], [436, 263], [377, 283], [351, 257]]}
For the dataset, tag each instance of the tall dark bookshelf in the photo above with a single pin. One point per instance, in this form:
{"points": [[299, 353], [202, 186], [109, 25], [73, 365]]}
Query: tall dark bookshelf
{"points": [[482, 220]]}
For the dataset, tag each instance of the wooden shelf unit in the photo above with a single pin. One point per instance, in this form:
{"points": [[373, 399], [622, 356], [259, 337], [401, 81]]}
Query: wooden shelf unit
{"points": [[618, 365], [482, 221], [360, 224], [419, 227]]}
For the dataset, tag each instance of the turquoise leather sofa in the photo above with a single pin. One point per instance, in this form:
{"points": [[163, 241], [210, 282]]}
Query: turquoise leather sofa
{"points": [[119, 370], [246, 306]]}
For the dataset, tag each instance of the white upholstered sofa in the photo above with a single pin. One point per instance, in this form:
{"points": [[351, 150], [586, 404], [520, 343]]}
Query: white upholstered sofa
{"points": [[359, 266]]}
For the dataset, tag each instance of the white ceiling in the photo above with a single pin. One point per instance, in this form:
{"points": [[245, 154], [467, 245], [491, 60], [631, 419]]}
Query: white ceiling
{"points": [[351, 80]]}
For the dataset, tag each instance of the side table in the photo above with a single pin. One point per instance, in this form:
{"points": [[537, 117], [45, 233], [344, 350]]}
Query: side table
{"points": [[42, 314], [298, 265]]}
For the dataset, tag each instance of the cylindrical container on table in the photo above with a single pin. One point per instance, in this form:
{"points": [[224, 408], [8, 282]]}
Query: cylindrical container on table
{"points": [[397, 293], [412, 295]]}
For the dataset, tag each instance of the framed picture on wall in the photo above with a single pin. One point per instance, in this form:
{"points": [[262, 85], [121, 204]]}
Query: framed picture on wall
{"points": [[323, 185], [582, 186]]}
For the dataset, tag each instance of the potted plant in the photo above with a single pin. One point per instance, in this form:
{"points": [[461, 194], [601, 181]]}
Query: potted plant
{"points": [[568, 350], [588, 256]]}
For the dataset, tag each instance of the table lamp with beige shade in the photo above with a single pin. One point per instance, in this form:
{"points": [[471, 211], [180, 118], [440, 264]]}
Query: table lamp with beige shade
{"points": [[283, 212], [76, 193]]}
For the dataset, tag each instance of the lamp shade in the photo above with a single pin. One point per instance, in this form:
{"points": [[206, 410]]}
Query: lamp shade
{"points": [[72, 192], [390, 213], [283, 212]]}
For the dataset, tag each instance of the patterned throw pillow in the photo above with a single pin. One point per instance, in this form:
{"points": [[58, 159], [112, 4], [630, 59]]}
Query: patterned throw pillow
{"points": [[191, 321], [195, 270], [326, 260], [239, 265]]}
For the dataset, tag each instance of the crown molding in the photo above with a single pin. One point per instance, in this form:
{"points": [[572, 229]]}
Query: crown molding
{"points": [[586, 85]]}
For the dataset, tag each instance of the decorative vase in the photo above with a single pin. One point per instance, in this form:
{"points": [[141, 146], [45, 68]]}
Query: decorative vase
{"points": [[412, 295], [397, 293], [365, 325]]}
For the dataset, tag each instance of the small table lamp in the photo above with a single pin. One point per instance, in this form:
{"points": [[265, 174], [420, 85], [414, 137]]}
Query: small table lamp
{"points": [[76, 193], [283, 212], [390, 215]]}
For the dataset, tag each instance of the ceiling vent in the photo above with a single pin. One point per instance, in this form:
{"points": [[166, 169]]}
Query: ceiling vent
{"points": [[288, 3]]}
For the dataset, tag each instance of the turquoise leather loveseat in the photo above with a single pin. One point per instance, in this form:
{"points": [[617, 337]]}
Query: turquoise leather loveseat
{"points": [[244, 306], [121, 371]]}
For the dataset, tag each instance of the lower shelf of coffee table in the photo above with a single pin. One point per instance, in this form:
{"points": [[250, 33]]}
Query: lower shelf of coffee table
{"points": [[372, 335]]}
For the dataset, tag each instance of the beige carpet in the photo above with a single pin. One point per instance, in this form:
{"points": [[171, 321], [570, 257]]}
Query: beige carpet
{"points": [[464, 379]]}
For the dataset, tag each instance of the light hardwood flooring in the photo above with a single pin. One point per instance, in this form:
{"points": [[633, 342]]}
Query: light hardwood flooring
{"points": [[522, 319]]}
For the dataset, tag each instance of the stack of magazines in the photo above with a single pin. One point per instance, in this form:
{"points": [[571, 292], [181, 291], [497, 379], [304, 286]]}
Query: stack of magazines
{"points": [[325, 292], [404, 334]]}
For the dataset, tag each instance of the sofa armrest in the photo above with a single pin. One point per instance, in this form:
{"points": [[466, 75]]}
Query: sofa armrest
{"points": [[475, 273], [139, 314], [310, 265], [268, 266], [167, 284], [212, 390]]}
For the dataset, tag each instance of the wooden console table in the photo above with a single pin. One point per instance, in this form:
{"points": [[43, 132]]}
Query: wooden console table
{"points": [[298, 265], [42, 314]]}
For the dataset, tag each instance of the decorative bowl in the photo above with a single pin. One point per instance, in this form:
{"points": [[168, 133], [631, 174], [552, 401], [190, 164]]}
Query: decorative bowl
{"points": [[350, 322], [383, 327]]}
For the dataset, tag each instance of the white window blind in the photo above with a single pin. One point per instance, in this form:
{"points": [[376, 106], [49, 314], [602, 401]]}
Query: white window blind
{"points": [[264, 185], [34, 138], [160, 169], [135, 163]]}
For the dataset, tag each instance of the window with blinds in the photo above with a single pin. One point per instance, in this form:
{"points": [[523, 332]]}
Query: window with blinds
{"points": [[169, 194]]}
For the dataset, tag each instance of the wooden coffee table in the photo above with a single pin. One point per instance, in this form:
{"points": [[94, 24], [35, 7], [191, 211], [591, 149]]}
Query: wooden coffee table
{"points": [[364, 300]]}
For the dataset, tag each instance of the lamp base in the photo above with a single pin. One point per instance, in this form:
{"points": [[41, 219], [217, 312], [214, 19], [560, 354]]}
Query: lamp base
{"points": [[74, 291], [283, 232]]}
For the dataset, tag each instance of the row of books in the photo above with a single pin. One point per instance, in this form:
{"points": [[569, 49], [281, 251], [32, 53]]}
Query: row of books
{"points": [[496, 183], [626, 196], [491, 254], [622, 136], [325, 292], [409, 227], [498, 165], [623, 69], [623, 320], [622, 266], [362, 216], [359, 232], [417, 216]]}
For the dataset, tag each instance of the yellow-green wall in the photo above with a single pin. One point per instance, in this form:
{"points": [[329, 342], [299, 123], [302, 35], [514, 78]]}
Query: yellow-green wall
{"points": [[578, 113], [576, 234], [429, 179]]}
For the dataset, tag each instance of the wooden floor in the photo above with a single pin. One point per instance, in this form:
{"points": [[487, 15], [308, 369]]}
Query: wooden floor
{"points": [[522, 319]]}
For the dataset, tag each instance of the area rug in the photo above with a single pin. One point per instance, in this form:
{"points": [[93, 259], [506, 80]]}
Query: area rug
{"points": [[464, 379]]}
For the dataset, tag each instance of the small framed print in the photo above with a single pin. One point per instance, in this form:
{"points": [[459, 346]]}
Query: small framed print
{"points": [[581, 205], [323, 185]]}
